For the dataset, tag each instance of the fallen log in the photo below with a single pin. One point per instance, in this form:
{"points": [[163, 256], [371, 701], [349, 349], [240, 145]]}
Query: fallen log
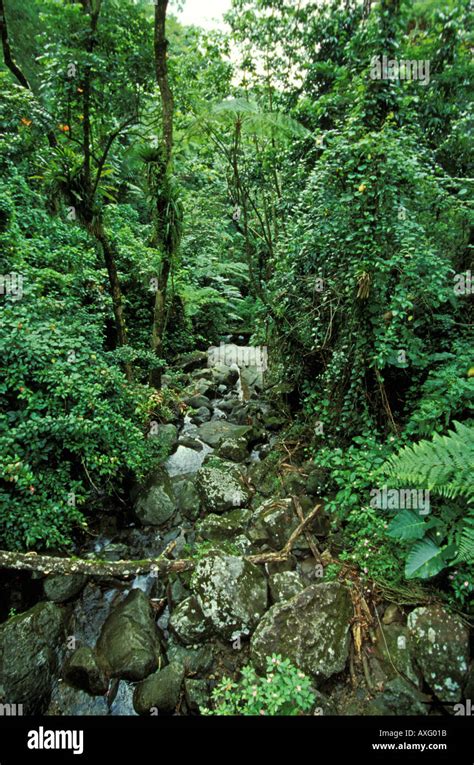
{"points": [[48, 564]]}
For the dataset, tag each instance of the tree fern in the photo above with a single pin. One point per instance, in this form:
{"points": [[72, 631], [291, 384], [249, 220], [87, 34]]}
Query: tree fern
{"points": [[444, 465]]}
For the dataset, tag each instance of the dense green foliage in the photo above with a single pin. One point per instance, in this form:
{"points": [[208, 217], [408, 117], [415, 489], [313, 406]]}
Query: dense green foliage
{"points": [[283, 690], [308, 206]]}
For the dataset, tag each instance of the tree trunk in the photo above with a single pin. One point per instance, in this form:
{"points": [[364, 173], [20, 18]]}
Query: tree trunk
{"points": [[97, 230], [163, 237], [11, 64]]}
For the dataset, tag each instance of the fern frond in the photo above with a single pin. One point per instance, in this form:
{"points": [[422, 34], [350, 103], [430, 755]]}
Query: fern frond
{"points": [[444, 465]]}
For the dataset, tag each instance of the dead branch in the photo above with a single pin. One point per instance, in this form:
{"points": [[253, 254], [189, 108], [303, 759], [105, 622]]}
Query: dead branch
{"points": [[48, 564]]}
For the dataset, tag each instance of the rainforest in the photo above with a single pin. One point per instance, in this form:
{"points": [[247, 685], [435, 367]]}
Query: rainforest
{"points": [[237, 362]]}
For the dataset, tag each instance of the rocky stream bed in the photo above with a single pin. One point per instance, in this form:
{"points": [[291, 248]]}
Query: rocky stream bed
{"points": [[157, 644]]}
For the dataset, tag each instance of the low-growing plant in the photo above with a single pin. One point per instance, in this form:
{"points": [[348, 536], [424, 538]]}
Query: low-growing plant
{"points": [[283, 690]]}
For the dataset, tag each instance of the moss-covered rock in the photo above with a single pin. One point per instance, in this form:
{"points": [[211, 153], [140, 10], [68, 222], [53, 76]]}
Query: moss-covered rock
{"points": [[159, 691], [285, 585], [28, 656], [311, 629], [188, 622], [214, 433], [196, 660], [218, 528], [441, 649], [62, 587], [220, 488], [231, 592], [82, 671], [197, 695], [129, 644], [156, 502], [235, 449], [394, 649], [398, 698]]}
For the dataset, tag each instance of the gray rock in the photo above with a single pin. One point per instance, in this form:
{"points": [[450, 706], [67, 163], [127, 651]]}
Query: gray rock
{"points": [[197, 695], [251, 378], [191, 443], [28, 656], [394, 649], [166, 434], [311, 629], [217, 528], [234, 449], [273, 523], [156, 503], [201, 415], [197, 401], [82, 671], [188, 622], [216, 432], [196, 660], [129, 645], [159, 691], [398, 698], [220, 489], [66, 700], [231, 592], [62, 587], [265, 482], [203, 387], [187, 498], [224, 374], [441, 645], [285, 585], [188, 362]]}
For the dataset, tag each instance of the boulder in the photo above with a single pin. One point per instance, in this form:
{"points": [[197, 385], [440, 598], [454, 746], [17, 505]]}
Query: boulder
{"points": [[129, 644], [156, 502], [160, 691], [231, 592], [311, 629], [62, 587], [214, 433], [82, 671], [188, 362], [224, 374], [202, 414], [264, 481], [285, 585], [187, 498], [394, 649], [398, 698], [167, 435], [234, 449], [273, 523], [196, 694], [28, 656], [219, 487], [188, 622], [196, 660], [441, 647], [218, 528], [197, 401]]}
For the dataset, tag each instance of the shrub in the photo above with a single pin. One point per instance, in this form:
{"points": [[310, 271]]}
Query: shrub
{"points": [[284, 690]]}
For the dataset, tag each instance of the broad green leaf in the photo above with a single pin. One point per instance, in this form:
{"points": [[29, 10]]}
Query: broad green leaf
{"points": [[425, 560], [407, 525]]}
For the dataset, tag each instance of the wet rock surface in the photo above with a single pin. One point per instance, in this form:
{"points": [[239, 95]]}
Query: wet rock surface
{"points": [[152, 644]]}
